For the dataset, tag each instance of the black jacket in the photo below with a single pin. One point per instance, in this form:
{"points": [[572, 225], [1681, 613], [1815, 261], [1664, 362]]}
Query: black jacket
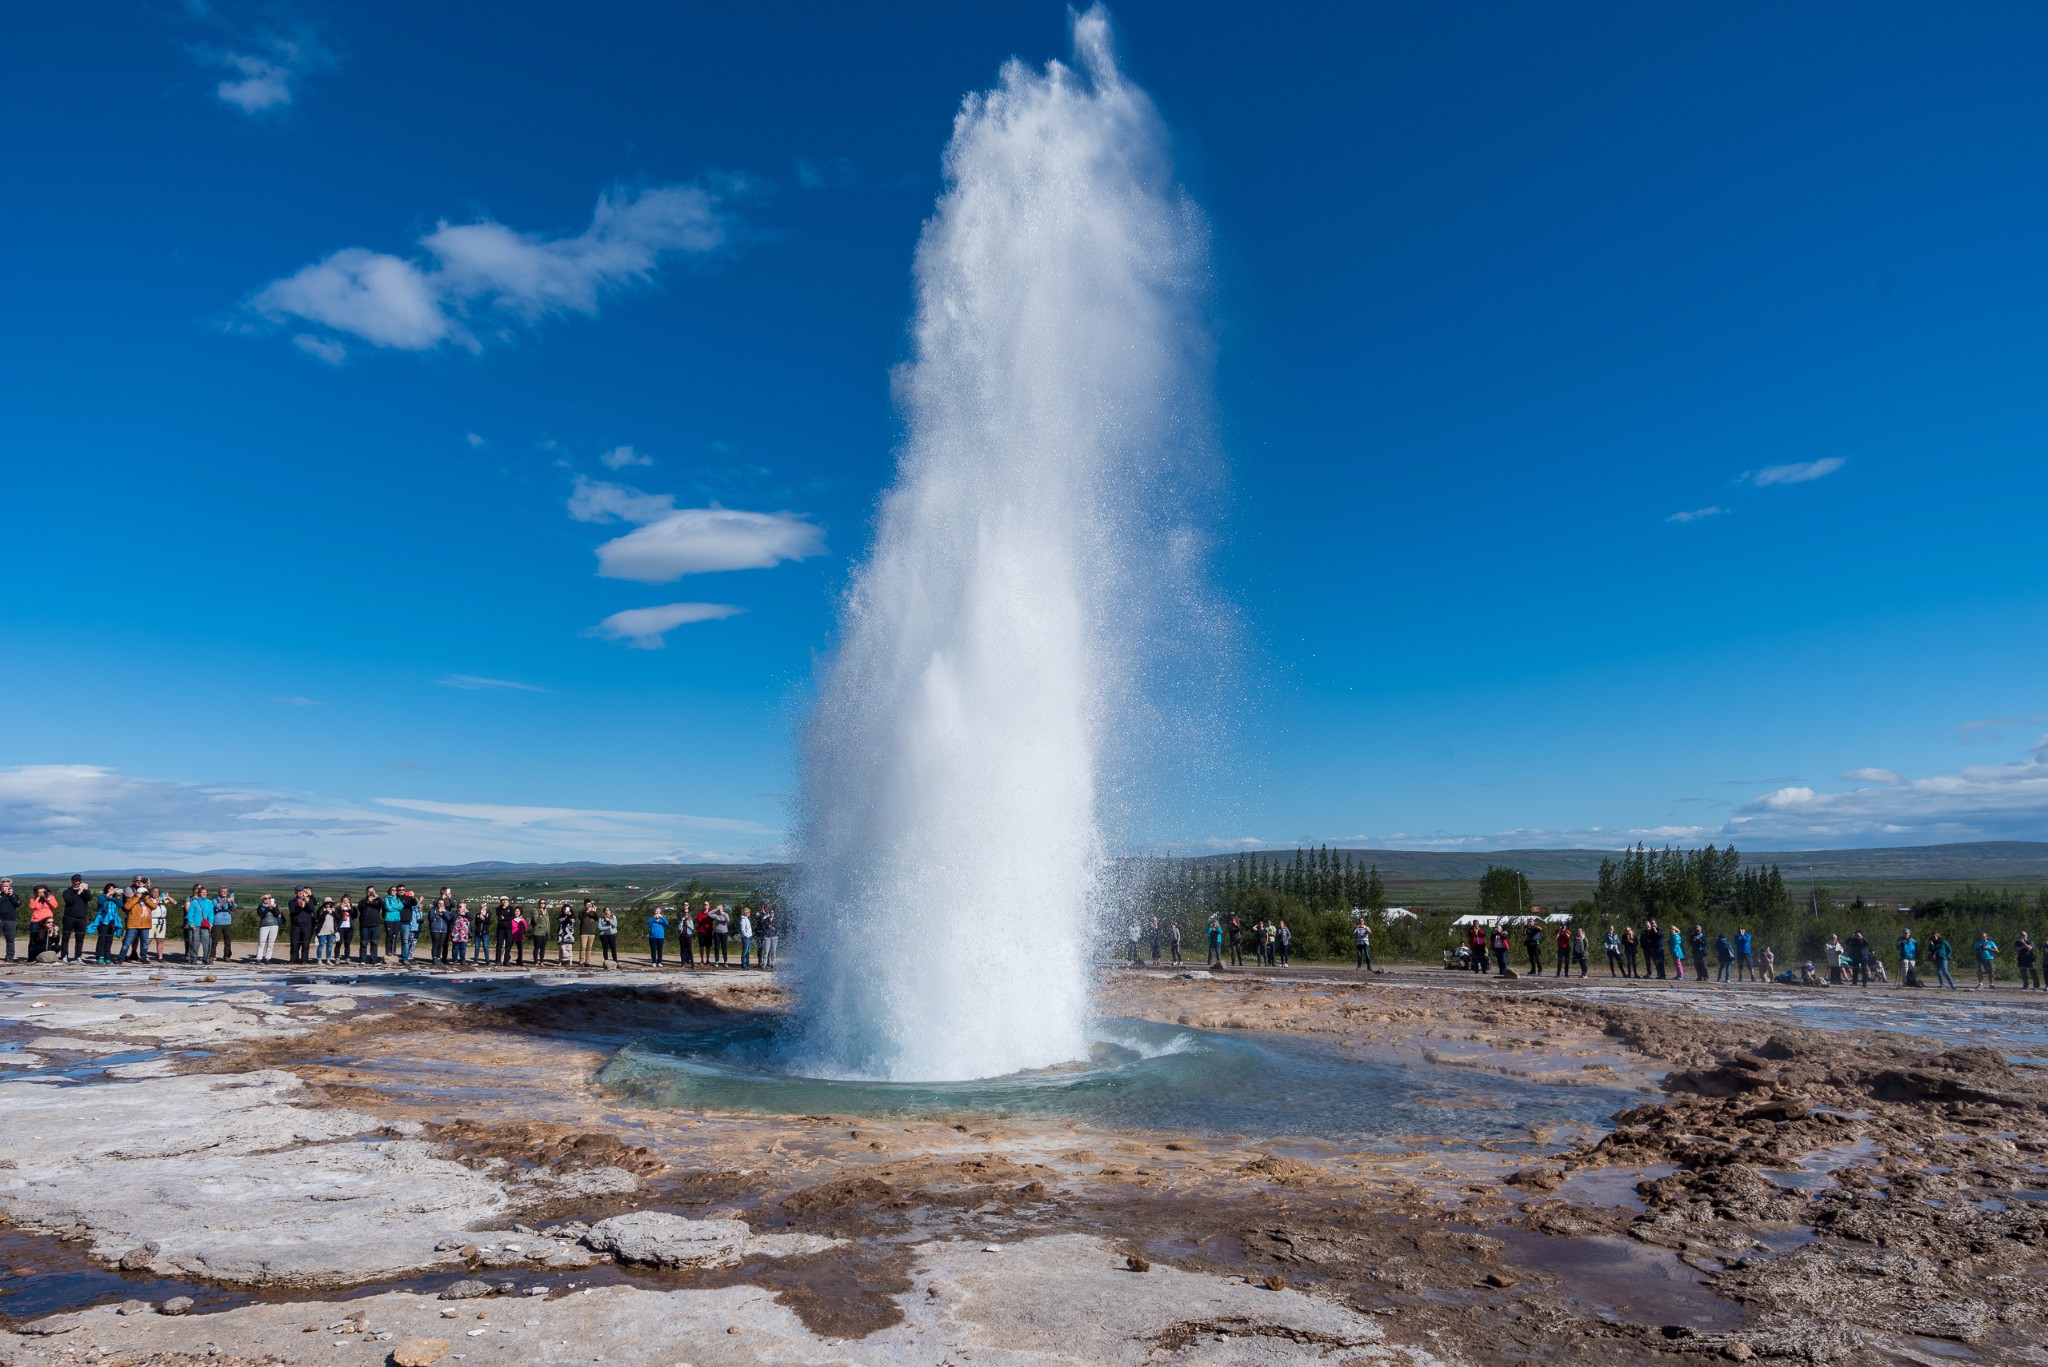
{"points": [[10, 905], [78, 906]]}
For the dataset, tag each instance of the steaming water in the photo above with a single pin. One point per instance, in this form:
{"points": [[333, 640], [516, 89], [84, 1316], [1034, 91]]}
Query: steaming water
{"points": [[954, 768], [1139, 1076]]}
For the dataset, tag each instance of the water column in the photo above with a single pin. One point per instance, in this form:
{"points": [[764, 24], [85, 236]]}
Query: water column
{"points": [[950, 815]]}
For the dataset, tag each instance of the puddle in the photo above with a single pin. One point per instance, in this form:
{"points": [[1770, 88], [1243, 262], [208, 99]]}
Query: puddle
{"points": [[1644, 1285], [40, 1276], [1816, 1171], [1786, 1240], [1613, 1187]]}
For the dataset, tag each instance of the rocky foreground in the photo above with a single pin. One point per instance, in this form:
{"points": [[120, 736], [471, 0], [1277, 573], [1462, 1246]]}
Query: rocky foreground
{"points": [[233, 1166]]}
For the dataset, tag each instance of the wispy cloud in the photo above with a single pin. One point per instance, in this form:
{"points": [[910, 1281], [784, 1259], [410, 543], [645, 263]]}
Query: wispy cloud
{"points": [[320, 348], [619, 457], [481, 280], [670, 542], [648, 628], [1696, 514], [1870, 776], [1799, 473], [478, 681], [55, 817], [264, 67], [474, 440]]}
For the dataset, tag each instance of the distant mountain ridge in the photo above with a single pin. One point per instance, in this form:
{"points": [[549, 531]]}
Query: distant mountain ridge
{"points": [[1987, 860]]}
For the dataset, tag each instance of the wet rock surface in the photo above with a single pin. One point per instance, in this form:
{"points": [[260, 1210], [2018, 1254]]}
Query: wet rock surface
{"points": [[1782, 1191]]}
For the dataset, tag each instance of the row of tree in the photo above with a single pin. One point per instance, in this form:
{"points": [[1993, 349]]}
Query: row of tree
{"points": [[1673, 884]]}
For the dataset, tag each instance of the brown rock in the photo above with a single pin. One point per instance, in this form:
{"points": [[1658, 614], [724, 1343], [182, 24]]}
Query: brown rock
{"points": [[1137, 1264], [1499, 1280], [1276, 1283], [419, 1352], [136, 1259]]}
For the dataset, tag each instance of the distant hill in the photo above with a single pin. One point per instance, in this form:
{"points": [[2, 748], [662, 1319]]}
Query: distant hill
{"points": [[1988, 861], [1981, 861]]}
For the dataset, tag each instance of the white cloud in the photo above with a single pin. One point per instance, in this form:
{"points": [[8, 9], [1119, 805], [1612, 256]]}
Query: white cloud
{"points": [[1981, 802], [619, 457], [1799, 473], [647, 628], [485, 275], [671, 542], [1696, 514], [703, 540], [320, 348], [264, 69], [475, 440], [59, 817], [477, 681]]}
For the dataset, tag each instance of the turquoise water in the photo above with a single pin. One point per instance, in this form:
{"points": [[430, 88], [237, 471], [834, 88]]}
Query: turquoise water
{"points": [[1142, 1075]]}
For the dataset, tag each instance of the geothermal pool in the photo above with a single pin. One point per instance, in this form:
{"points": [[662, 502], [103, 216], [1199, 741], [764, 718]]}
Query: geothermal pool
{"points": [[1140, 1075]]}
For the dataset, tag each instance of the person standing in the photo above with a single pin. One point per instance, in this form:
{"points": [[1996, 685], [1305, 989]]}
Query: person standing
{"points": [[135, 906], [1215, 943], [657, 934], [394, 918], [565, 934], [608, 938], [501, 932], [108, 921], [1173, 939], [746, 937], [1501, 947], [1628, 952], [1579, 951], [1236, 929], [1158, 942], [324, 932], [1858, 959], [1724, 959], [1283, 934], [586, 931], [1611, 942], [42, 921], [345, 918], [1745, 970], [1770, 964], [224, 924], [1699, 956], [79, 905], [1941, 951], [518, 937], [458, 935], [1532, 940], [538, 930], [1653, 948], [198, 927], [771, 939], [369, 925], [268, 920], [301, 916], [721, 934], [1361, 945], [1987, 960], [1677, 948], [1564, 951], [10, 910], [1909, 959], [439, 918]]}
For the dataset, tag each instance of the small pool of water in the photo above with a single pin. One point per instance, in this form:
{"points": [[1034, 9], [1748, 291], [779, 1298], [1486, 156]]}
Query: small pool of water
{"points": [[1143, 1075]]}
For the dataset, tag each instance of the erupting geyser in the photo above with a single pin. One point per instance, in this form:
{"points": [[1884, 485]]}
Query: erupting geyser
{"points": [[955, 767]]}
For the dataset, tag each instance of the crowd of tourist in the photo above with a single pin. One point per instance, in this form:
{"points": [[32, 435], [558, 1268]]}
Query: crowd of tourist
{"points": [[1665, 953], [392, 926]]}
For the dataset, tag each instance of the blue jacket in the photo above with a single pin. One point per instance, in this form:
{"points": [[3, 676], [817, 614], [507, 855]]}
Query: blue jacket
{"points": [[199, 914]]}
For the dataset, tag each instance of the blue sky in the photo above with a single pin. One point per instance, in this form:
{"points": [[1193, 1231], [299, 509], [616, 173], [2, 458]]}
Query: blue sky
{"points": [[1635, 416]]}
